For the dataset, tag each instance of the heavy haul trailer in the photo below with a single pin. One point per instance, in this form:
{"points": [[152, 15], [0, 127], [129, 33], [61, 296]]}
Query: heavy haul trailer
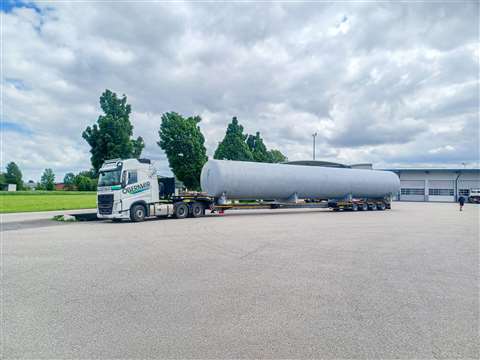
{"points": [[130, 189], [360, 204]]}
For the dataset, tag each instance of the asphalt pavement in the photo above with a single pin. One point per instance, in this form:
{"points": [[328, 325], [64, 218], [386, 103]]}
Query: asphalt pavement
{"points": [[288, 283]]}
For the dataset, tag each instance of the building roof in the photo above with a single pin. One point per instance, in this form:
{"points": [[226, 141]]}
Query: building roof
{"points": [[435, 169], [316, 163]]}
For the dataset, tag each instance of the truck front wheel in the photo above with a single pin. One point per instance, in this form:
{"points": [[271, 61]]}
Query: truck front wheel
{"points": [[138, 213], [181, 210]]}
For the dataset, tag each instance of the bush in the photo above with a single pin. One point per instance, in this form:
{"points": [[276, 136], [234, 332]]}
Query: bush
{"points": [[84, 183]]}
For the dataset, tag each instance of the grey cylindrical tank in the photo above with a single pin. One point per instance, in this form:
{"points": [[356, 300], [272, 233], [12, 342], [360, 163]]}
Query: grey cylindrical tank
{"points": [[252, 180]]}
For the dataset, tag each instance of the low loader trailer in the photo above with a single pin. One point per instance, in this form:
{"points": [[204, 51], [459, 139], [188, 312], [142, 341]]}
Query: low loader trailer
{"points": [[131, 190]]}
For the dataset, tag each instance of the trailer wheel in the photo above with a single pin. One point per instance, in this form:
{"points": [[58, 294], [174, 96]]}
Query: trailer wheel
{"points": [[197, 209], [354, 207], [181, 210], [138, 213], [364, 207], [373, 207], [381, 206]]}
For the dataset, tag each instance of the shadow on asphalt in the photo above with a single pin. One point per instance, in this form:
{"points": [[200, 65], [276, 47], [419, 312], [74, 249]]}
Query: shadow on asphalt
{"points": [[234, 213], [30, 224]]}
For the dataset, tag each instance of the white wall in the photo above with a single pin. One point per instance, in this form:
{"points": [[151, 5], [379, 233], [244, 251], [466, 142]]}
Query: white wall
{"points": [[446, 179]]}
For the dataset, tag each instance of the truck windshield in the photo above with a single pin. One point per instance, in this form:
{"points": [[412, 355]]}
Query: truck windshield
{"points": [[109, 178]]}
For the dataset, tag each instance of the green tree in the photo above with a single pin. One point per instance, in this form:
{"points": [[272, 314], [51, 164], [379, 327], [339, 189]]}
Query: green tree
{"points": [[111, 137], [234, 146], [184, 145], [258, 148], [69, 181], [276, 156], [85, 183], [14, 175], [47, 180]]}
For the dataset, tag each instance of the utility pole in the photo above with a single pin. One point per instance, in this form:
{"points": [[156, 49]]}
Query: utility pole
{"points": [[314, 135]]}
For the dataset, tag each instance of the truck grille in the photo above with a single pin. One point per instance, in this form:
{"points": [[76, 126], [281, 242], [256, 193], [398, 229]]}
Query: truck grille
{"points": [[105, 204]]}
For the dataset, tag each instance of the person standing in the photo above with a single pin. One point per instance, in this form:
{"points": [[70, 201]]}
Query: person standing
{"points": [[461, 201]]}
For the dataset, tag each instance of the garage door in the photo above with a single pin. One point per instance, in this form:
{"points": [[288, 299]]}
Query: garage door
{"points": [[441, 190], [464, 187], [412, 190]]}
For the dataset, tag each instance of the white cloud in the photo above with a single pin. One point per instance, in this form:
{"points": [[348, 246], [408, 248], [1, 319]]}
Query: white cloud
{"points": [[383, 83]]}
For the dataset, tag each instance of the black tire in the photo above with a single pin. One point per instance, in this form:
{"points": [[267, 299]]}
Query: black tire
{"points": [[181, 210], [138, 213], [364, 207], [197, 209], [381, 206], [354, 207], [373, 207]]}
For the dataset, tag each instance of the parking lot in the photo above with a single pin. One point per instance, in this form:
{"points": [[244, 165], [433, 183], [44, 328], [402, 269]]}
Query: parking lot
{"points": [[251, 284]]}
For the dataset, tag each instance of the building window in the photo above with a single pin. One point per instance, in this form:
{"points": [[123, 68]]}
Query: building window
{"points": [[464, 192], [412, 191], [440, 192]]}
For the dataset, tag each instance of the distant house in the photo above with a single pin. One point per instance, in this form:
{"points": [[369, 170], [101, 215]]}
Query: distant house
{"points": [[30, 185], [60, 186]]}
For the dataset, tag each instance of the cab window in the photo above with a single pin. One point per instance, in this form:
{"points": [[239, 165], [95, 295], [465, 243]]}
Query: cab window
{"points": [[132, 177]]}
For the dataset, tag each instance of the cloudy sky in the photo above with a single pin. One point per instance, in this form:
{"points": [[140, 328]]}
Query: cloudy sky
{"points": [[381, 82]]}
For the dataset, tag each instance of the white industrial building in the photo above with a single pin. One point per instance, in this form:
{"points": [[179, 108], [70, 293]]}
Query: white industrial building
{"points": [[422, 184], [436, 184]]}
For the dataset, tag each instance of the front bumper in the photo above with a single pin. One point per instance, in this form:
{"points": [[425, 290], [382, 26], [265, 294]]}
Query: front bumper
{"points": [[114, 215], [114, 211]]}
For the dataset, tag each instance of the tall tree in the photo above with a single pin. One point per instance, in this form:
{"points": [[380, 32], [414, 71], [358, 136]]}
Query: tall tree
{"points": [[258, 148], [234, 146], [14, 175], [111, 138], [47, 180], [184, 145]]}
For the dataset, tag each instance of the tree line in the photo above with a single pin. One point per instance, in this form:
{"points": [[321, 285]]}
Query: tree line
{"points": [[83, 181], [180, 138]]}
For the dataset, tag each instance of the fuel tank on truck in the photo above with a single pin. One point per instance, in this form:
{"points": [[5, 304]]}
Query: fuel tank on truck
{"points": [[253, 180]]}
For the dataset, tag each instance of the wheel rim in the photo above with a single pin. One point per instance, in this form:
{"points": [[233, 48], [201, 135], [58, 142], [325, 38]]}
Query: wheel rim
{"points": [[181, 211], [139, 213]]}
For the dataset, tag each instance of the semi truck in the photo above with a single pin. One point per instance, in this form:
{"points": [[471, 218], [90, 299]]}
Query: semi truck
{"points": [[131, 190]]}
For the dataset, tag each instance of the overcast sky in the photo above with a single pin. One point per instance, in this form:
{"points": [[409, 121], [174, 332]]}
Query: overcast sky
{"points": [[392, 84]]}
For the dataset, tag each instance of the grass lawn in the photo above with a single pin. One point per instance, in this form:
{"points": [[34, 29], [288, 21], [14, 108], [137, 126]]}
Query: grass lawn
{"points": [[23, 201]]}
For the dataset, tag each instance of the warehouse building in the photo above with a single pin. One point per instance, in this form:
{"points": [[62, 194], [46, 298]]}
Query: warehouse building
{"points": [[421, 184], [436, 184]]}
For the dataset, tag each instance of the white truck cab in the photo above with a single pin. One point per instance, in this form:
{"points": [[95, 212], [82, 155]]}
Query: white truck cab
{"points": [[129, 189]]}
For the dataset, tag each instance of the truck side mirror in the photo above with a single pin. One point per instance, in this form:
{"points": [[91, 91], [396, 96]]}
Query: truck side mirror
{"points": [[124, 179]]}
